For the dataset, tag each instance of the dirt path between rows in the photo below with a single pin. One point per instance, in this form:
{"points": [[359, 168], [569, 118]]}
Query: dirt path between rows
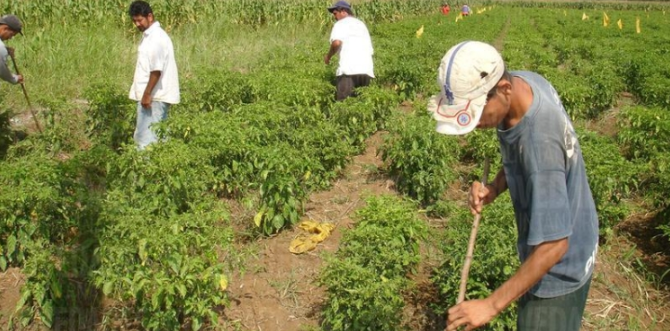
{"points": [[278, 289]]}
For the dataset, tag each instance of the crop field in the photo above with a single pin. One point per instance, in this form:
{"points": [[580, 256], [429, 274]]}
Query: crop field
{"points": [[194, 233]]}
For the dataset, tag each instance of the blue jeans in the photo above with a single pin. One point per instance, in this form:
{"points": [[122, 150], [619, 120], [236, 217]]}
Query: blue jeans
{"points": [[144, 135]]}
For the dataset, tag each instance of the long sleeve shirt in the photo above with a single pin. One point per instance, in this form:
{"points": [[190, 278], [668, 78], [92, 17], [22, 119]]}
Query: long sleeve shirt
{"points": [[5, 74]]}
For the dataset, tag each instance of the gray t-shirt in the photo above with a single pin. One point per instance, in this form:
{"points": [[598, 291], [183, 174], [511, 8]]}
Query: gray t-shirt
{"points": [[547, 181]]}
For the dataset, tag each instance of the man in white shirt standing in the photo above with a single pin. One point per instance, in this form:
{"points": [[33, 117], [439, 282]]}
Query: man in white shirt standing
{"points": [[350, 37], [156, 83], [10, 26]]}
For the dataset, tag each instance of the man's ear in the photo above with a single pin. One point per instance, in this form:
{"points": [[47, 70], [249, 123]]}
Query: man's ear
{"points": [[505, 86]]}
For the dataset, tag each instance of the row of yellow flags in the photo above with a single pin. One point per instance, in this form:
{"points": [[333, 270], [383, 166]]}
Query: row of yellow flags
{"points": [[606, 21], [479, 11], [619, 23], [458, 18]]}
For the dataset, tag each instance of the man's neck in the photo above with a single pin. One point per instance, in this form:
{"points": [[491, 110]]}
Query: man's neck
{"points": [[522, 98]]}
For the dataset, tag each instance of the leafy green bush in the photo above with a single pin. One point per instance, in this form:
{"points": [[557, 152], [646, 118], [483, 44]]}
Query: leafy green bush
{"points": [[165, 180], [221, 90], [366, 278], [45, 205], [479, 145], [271, 153], [644, 132], [356, 118], [658, 179], [35, 204], [42, 292], [283, 174], [5, 133], [166, 265], [294, 90], [359, 298], [611, 177], [654, 91], [419, 159], [325, 143], [386, 238], [160, 232], [494, 260], [111, 116], [382, 101]]}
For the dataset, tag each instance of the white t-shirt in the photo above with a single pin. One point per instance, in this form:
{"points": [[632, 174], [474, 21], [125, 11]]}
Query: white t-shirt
{"points": [[156, 53], [356, 50]]}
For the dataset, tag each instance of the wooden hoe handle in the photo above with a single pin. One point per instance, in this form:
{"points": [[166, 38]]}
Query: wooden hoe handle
{"points": [[25, 93], [471, 243]]}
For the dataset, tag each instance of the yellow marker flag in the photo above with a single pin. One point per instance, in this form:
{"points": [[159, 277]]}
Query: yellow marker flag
{"points": [[606, 19], [419, 32], [620, 24], [584, 17], [637, 25], [459, 17]]}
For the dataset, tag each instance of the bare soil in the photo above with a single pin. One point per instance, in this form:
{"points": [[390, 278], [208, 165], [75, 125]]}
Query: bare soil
{"points": [[278, 289], [11, 281]]}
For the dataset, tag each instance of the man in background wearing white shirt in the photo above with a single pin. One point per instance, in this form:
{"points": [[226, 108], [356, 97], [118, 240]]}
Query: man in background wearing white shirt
{"points": [[350, 37], [156, 83]]}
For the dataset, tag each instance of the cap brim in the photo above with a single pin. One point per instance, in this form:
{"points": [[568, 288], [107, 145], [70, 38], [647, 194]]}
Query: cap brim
{"points": [[457, 119], [331, 9]]}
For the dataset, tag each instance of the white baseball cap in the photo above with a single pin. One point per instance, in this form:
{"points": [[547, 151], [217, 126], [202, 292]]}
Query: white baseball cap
{"points": [[467, 73]]}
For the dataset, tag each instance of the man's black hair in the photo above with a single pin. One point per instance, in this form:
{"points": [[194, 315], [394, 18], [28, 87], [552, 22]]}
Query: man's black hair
{"points": [[140, 8], [506, 76], [351, 13]]}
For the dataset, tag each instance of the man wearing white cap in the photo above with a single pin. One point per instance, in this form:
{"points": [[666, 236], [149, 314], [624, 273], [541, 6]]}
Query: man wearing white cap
{"points": [[543, 170], [350, 37], [10, 26]]}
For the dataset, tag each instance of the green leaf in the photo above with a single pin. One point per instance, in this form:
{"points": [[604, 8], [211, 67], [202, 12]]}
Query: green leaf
{"points": [[56, 287], [196, 324], [278, 221], [47, 313], [25, 297], [174, 265], [26, 316], [507, 270], [156, 300], [11, 245], [107, 288], [182, 290]]}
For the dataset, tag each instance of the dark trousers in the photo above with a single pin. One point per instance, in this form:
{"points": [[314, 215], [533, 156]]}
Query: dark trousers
{"points": [[562, 313], [346, 85]]}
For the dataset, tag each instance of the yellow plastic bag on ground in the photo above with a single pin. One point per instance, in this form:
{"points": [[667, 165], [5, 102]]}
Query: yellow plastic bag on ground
{"points": [[318, 232]]}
